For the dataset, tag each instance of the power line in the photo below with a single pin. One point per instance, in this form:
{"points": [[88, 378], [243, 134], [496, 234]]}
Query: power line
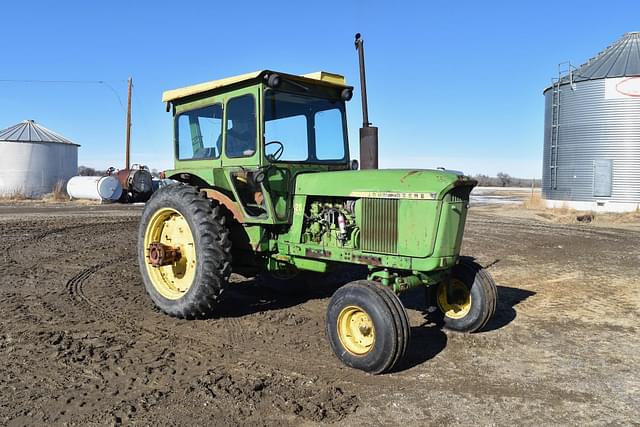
{"points": [[99, 82]]}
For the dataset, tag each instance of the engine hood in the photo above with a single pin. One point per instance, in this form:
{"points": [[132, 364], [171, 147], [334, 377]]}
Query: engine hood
{"points": [[382, 183]]}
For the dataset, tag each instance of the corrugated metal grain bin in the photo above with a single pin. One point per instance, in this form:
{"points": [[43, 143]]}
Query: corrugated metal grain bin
{"points": [[592, 132], [34, 159]]}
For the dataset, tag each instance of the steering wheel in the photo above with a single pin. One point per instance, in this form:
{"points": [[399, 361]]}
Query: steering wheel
{"points": [[276, 154]]}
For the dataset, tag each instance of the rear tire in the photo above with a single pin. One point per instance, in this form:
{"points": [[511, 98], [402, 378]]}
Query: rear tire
{"points": [[367, 326], [467, 301], [180, 216]]}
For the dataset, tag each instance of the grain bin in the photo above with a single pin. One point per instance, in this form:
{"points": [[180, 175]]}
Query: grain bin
{"points": [[591, 155], [34, 159]]}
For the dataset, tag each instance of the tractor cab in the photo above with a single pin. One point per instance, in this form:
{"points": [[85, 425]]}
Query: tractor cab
{"points": [[246, 138]]}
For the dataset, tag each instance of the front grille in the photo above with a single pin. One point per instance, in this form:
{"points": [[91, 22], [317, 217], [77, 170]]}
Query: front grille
{"points": [[379, 225], [460, 194]]}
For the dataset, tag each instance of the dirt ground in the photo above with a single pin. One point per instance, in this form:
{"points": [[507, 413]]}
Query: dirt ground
{"points": [[81, 344]]}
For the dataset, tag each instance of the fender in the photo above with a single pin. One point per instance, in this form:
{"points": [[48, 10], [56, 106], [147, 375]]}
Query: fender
{"points": [[225, 200]]}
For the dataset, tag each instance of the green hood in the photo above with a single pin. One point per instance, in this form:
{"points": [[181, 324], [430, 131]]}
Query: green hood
{"points": [[387, 183]]}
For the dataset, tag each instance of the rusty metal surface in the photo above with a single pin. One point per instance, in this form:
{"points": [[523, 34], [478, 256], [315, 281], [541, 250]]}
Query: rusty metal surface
{"points": [[313, 253], [368, 133], [365, 259], [160, 255], [136, 183], [369, 148], [233, 207], [123, 177]]}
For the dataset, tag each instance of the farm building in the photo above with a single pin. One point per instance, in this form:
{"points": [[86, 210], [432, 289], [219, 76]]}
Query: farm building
{"points": [[34, 159], [591, 155]]}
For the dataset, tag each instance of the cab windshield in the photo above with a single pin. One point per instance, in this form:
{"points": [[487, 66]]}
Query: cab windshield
{"points": [[304, 129]]}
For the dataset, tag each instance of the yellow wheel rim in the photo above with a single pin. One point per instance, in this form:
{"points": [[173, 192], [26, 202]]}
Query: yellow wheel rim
{"points": [[169, 227], [454, 298], [355, 330]]}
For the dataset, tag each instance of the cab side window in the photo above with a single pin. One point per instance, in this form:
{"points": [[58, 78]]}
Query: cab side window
{"points": [[241, 126], [199, 133]]}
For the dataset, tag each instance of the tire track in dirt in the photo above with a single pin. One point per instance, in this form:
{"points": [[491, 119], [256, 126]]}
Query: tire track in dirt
{"points": [[76, 290], [33, 239], [186, 346], [234, 331], [75, 285], [8, 250]]}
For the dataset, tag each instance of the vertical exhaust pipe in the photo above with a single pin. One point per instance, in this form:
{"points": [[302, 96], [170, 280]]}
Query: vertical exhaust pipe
{"points": [[368, 133]]}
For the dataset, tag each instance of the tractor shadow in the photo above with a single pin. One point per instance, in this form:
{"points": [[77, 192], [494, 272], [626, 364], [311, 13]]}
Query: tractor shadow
{"points": [[508, 298], [251, 297], [428, 339], [426, 342], [254, 295]]}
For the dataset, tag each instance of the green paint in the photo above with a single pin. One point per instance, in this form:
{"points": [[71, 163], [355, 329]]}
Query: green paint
{"points": [[406, 225]]}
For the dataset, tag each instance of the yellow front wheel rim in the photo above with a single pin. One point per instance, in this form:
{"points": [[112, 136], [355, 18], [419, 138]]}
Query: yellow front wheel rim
{"points": [[169, 227], [454, 298], [355, 330]]}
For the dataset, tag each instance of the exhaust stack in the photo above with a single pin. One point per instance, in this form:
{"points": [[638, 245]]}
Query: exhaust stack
{"points": [[368, 133]]}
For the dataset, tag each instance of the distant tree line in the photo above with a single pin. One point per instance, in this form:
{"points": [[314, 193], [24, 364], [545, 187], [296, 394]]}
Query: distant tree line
{"points": [[501, 180], [87, 171], [505, 180]]}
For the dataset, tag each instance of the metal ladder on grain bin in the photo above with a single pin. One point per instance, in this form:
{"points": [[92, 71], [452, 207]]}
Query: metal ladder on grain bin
{"points": [[565, 69]]}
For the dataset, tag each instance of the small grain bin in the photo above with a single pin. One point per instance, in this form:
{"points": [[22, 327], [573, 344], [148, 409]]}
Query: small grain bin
{"points": [[34, 159], [591, 155]]}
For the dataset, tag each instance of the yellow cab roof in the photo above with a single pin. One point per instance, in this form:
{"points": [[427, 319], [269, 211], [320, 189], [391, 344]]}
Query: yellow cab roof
{"points": [[174, 94]]}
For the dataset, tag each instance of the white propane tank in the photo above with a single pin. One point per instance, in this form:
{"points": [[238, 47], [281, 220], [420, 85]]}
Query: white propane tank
{"points": [[103, 188]]}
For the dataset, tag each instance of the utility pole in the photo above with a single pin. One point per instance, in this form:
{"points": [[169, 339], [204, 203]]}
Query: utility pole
{"points": [[128, 138]]}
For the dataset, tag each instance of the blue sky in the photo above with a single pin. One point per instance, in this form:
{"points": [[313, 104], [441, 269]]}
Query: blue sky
{"points": [[453, 84]]}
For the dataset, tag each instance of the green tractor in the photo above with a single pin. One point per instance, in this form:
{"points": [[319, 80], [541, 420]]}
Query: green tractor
{"points": [[267, 188]]}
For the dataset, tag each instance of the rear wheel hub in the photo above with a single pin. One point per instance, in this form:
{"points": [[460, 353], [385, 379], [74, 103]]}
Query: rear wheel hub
{"points": [[161, 255], [170, 253]]}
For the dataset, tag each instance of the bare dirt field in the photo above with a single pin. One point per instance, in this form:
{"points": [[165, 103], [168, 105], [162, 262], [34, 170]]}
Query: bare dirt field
{"points": [[81, 344]]}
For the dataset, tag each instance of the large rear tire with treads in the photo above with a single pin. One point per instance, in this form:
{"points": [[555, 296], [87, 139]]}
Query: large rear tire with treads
{"points": [[184, 221]]}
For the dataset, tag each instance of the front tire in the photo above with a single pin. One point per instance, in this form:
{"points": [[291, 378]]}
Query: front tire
{"points": [[367, 326], [467, 300], [180, 218]]}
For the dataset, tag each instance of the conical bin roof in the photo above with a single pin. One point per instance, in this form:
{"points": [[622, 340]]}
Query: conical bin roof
{"points": [[621, 59], [30, 131]]}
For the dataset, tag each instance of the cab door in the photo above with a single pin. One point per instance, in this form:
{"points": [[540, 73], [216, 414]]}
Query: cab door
{"points": [[241, 154]]}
